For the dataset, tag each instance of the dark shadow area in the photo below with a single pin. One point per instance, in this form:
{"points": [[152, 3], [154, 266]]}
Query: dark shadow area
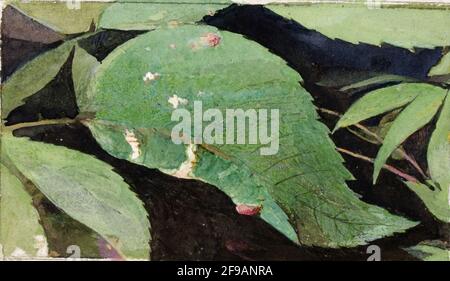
{"points": [[23, 39], [312, 53], [26, 51], [17, 25], [104, 42], [56, 100], [317, 57], [63, 232]]}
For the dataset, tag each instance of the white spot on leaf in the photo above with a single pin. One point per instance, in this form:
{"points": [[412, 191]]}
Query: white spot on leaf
{"points": [[173, 24], [131, 139], [175, 101], [185, 169], [40, 243], [148, 77], [19, 253]]}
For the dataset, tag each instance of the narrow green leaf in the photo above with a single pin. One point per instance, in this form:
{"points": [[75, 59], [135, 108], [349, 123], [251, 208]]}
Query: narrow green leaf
{"points": [[442, 68], [300, 190], [377, 80], [438, 155], [87, 190], [21, 235], [32, 77], [430, 251], [146, 16], [381, 101], [403, 27], [412, 118], [84, 66], [64, 17]]}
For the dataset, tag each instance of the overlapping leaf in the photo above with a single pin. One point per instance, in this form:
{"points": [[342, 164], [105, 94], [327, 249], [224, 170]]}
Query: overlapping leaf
{"points": [[438, 154], [144, 16], [422, 102], [377, 80], [84, 66], [435, 199], [358, 23], [301, 190], [442, 68], [430, 251], [436, 195], [84, 188], [33, 76], [411, 119], [69, 17], [381, 101], [21, 235]]}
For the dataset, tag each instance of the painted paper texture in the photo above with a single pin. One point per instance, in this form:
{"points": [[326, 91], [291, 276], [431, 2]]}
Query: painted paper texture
{"points": [[220, 130]]}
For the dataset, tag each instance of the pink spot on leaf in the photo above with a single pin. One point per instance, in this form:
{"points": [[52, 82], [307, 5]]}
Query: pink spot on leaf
{"points": [[211, 39], [248, 210]]}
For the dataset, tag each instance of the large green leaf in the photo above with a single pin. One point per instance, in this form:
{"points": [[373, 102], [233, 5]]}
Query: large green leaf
{"points": [[381, 101], [154, 148], [145, 16], [404, 27], [21, 234], [421, 110], [33, 77], [86, 189], [300, 190], [64, 17]]}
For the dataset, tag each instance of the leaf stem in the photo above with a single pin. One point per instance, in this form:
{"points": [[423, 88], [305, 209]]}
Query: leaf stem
{"points": [[366, 130], [37, 123], [385, 166]]}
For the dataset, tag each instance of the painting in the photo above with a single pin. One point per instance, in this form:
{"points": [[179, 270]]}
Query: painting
{"points": [[220, 130]]}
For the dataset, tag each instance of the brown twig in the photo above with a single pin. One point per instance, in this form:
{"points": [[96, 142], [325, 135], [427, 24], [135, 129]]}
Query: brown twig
{"points": [[61, 121], [402, 152], [385, 166]]}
